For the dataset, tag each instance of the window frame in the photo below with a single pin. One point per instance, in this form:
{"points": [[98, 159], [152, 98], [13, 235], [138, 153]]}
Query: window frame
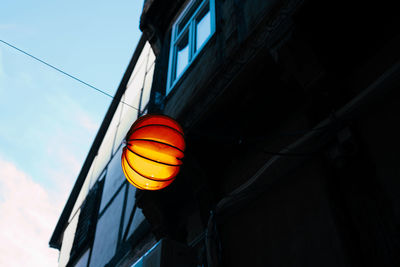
{"points": [[190, 29], [87, 223]]}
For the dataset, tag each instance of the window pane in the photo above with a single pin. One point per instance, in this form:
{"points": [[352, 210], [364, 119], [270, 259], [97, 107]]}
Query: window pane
{"points": [[188, 14], [138, 217], [106, 147], [139, 263], [141, 62], [147, 88], [107, 231], [182, 57], [128, 116], [83, 260], [114, 179], [203, 28], [68, 239], [82, 195]]}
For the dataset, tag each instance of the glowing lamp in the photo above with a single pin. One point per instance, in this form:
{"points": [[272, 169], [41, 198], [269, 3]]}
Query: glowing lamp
{"points": [[153, 153]]}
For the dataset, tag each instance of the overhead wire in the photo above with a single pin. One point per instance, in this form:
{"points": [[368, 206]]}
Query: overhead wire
{"points": [[65, 73], [253, 188]]}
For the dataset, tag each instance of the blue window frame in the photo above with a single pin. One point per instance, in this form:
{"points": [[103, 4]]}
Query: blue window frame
{"points": [[190, 32]]}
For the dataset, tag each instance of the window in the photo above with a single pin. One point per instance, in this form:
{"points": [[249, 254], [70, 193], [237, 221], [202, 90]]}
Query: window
{"points": [[190, 33], [87, 221]]}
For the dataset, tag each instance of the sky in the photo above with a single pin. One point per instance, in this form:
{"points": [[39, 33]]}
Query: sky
{"points": [[48, 121]]}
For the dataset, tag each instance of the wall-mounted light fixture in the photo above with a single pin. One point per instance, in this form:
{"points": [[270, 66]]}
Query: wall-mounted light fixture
{"points": [[153, 153]]}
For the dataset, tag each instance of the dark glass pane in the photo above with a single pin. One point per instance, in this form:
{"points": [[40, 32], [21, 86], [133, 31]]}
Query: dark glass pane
{"points": [[188, 14], [107, 230], [83, 260], [114, 179]]}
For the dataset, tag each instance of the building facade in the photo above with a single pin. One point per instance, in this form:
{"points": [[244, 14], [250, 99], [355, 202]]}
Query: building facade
{"points": [[100, 215], [289, 110]]}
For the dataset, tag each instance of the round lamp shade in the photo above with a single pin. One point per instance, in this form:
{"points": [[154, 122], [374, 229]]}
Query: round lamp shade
{"points": [[153, 153]]}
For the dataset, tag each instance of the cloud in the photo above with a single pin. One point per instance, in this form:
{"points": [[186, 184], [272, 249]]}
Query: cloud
{"points": [[71, 109], [28, 214], [2, 73], [61, 157], [1, 62], [8, 26], [63, 167], [86, 121]]}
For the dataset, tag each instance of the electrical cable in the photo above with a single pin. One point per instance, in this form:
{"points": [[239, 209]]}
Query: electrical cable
{"points": [[251, 188], [65, 73], [278, 166], [288, 154]]}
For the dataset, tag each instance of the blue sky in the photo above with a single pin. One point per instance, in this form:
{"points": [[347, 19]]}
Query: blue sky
{"points": [[47, 120]]}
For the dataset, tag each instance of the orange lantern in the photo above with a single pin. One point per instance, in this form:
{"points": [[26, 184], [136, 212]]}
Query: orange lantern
{"points": [[153, 153]]}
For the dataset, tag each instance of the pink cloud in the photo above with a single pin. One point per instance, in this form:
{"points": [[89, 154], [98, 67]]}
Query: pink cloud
{"points": [[86, 121], [28, 214], [2, 73]]}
